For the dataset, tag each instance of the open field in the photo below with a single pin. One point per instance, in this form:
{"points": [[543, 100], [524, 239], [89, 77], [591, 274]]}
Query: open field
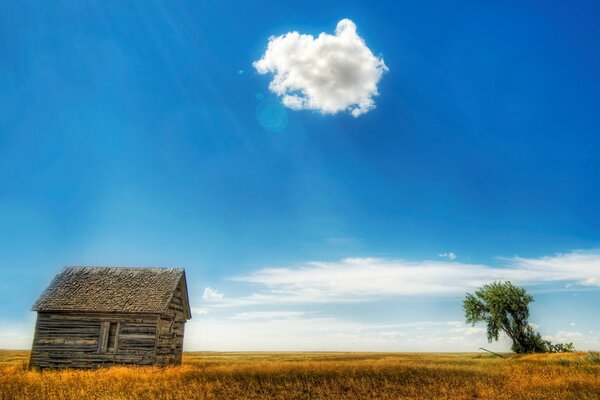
{"points": [[316, 376]]}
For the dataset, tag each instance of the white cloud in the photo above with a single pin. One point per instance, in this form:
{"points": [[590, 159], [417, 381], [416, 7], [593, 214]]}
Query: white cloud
{"points": [[563, 336], [329, 73], [354, 280], [327, 333], [211, 294], [459, 327], [17, 334], [580, 266], [290, 307], [392, 334], [268, 315], [450, 256], [366, 279]]}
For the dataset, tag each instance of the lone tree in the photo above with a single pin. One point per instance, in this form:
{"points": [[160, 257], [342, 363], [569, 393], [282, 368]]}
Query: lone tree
{"points": [[505, 308]]}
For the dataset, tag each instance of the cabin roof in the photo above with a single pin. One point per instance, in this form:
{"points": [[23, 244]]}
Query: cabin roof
{"points": [[113, 289]]}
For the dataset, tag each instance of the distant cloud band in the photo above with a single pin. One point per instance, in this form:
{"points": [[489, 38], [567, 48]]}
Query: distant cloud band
{"points": [[365, 279]]}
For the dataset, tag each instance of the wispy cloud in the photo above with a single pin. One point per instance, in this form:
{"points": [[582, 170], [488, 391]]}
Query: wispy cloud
{"points": [[253, 315], [582, 267], [459, 327], [450, 256], [329, 73], [212, 294], [301, 307], [366, 279], [17, 334], [564, 336], [308, 332]]}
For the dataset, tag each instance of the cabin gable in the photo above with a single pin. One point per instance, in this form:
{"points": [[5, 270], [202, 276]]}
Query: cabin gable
{"points": [[171, 327]]}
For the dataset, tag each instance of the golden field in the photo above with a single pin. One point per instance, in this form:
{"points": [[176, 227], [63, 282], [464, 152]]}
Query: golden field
{"points": [[316, 376]]}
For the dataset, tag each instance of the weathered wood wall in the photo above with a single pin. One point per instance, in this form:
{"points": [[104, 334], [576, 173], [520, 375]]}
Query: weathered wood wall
{"points": [[85, 341], [171, 327]]}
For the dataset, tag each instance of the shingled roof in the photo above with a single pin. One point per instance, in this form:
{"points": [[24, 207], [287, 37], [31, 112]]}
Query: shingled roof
{"points": [[103, 289]]}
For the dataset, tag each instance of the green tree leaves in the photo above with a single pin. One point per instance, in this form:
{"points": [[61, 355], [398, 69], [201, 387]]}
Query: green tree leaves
{"points": [[505, 308]]}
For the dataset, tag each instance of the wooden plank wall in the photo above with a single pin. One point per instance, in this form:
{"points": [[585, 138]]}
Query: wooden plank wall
{"points": [[171, 327], [73, 340]]}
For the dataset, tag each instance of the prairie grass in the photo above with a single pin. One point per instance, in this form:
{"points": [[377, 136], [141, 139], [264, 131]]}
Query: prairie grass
{"points": [[316, 376]]}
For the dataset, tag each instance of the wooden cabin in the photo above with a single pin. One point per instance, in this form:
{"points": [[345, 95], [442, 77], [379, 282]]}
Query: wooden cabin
{"points": [[95, 316]]}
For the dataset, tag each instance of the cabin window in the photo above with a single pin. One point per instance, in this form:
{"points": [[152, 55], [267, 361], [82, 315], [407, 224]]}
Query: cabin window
{"points": [[112, 338], [109, 337]]}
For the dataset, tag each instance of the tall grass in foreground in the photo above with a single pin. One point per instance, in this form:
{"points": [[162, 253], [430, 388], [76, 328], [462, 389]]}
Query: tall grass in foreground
{"points": [[316, 376]]}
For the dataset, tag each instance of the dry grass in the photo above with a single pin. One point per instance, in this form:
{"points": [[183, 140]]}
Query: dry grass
{"points": [[316, 376]]}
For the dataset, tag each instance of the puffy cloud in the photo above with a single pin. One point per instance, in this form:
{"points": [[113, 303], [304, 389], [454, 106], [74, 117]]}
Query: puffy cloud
{"points": [[329, 73], [212, 294]]}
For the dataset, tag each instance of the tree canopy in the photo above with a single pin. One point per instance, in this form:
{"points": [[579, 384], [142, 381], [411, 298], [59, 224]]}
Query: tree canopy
{"points": [[505, 308]]}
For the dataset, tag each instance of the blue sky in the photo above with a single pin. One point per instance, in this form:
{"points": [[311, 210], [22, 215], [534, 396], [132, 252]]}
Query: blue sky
{"points": [[140, 133]]}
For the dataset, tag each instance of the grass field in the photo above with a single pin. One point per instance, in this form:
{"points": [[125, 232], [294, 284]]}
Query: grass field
{"points": [[316, 376]]}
